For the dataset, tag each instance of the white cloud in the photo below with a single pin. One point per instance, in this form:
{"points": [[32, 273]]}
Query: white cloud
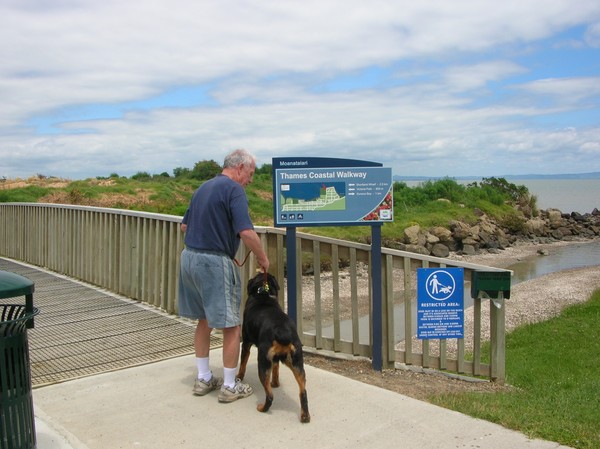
{"points": [[570, 90], [464, 78], [261, 60], [592, 35]]}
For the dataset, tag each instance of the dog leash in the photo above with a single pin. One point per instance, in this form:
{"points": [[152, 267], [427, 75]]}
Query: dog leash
{"points": [[244, 261], [265, 287]]}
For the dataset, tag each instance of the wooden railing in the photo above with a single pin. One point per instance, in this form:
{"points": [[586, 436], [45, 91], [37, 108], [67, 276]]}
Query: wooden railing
{"points": [[136, 254]]}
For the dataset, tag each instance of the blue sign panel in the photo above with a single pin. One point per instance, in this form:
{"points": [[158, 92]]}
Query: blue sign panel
{"points": [[440, 303], [324, 191]]}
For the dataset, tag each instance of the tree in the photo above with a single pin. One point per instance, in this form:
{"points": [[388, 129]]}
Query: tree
{"points": [[205, 170], [265, 169], [141, 175], [181, 172]]}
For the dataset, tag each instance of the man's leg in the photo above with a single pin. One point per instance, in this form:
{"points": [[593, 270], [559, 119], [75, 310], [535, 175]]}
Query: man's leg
{"points": [[205, 382], [231, 346], [202, 339], [232, 390]]}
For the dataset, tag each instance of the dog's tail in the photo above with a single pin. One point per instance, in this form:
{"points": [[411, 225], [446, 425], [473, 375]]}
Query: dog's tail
{"points": [[281, 351]]}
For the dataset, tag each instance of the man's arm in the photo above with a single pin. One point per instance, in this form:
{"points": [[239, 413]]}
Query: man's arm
{"points": [[252, 241]]}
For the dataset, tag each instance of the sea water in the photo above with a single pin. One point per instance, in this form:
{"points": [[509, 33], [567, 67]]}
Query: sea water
{"points": [[567, 195], [576, 255]]}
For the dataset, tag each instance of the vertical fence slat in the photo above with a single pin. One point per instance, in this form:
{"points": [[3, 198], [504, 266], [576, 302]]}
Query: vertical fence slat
{"points": [[477, 336], [335, 278], [317, 289], [408, 320], [354, 303], [389, 309]]}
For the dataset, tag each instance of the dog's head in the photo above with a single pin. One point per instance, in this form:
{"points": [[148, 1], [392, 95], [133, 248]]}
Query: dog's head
{"points": [[263, 284]]}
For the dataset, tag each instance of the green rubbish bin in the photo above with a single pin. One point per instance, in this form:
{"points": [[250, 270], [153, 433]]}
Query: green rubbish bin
{"points": [[17, 422]]}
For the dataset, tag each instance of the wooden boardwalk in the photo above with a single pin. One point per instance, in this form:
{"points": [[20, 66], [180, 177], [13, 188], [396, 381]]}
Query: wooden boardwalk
{"points": [[82, 330]]}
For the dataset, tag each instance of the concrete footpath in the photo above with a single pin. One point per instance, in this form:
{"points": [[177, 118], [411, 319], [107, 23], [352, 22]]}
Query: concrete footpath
{"points": [[152, 406]]}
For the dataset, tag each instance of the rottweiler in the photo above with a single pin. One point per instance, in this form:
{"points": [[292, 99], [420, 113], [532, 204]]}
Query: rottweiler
{"points": [[269, 328]]}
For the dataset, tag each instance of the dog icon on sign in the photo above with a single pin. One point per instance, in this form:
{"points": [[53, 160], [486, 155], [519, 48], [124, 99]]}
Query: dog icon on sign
{"points": [[439, 285]]}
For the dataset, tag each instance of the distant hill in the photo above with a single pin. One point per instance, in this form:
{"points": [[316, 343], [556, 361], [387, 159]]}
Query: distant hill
{"points": [[591, 175]]}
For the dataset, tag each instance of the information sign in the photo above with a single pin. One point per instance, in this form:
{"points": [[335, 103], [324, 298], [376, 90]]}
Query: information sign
{"points": [[326, 191], [440, 303]]}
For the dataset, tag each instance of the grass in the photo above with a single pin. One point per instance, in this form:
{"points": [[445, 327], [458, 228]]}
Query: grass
{"points": [[554, 367], [170, 195]]}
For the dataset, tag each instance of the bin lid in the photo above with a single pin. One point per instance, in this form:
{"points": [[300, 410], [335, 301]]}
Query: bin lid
{"points": [[12, 285]]}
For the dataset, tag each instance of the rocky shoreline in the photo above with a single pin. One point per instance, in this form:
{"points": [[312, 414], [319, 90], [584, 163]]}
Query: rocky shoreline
{"points": [[490, 236]]}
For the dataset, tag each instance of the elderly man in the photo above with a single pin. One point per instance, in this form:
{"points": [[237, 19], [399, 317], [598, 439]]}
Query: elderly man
{"points": [[209, 285]]}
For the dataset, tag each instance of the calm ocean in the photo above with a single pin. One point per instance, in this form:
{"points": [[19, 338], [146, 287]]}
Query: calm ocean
{"points": [[568, 195]]}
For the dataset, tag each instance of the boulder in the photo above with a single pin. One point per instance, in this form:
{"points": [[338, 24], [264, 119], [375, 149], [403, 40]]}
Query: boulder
{"points": [[459, 230], [417, 249], [565, 231], [443, 234], [411, 235], [440, 250], [554, 216], [468, 250], [535, 226], [486, 226], [431, 239]]}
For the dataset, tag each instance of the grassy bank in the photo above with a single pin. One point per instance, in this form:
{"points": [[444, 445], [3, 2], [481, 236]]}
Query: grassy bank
{"points": [[433, 203], [554, 369]]}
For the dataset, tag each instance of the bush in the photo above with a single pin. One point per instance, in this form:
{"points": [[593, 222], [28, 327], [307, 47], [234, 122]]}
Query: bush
{"points": [[141, 175], [205, 170]]}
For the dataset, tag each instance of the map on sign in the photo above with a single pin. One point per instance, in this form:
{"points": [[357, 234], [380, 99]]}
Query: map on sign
{"points": [[312, 197]]}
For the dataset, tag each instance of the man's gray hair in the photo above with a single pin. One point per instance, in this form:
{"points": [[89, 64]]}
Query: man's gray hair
{"points": [[237, 158]]}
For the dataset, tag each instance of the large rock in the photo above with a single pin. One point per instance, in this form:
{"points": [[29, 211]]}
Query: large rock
{"points": [[554, 217], [440, 250], [417, 249], [431, 239], [468, 250], [443, 234], [486, 226], [536, 226], [411, 235], [459, 230]]}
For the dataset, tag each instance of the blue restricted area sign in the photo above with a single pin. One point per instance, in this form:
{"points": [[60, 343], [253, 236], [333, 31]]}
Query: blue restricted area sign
{"points": [[326, 191], [440, 303]]}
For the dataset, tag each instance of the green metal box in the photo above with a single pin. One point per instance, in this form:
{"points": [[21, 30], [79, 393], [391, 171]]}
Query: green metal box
{"points": [[490, 282]]}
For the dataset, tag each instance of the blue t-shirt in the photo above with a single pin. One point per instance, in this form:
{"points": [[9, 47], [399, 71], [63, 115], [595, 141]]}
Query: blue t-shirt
{"points": [[217, 213]]}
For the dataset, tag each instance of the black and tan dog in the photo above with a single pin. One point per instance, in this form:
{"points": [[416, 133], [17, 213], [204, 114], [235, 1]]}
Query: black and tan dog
{"points": [[268, 328]]}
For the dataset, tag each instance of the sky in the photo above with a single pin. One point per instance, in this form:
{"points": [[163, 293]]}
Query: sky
{"points": [[435, 88]]}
